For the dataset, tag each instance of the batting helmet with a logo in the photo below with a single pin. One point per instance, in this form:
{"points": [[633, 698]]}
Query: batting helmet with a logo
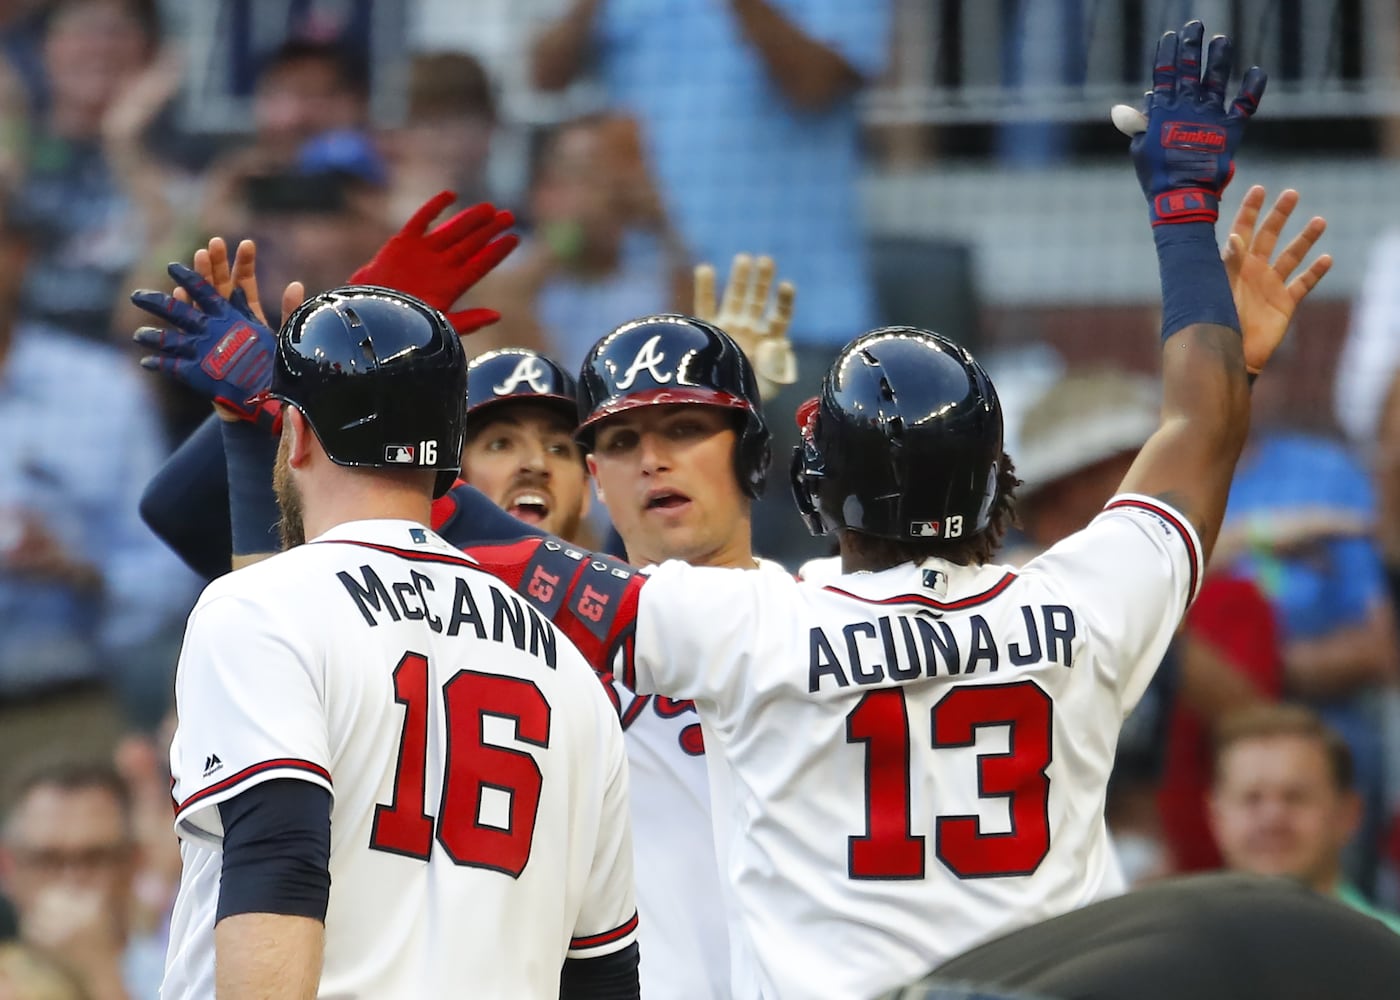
{"points": [[669, 359]]}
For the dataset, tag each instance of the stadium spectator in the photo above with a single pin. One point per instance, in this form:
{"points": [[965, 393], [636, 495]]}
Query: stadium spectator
{"points": [[445, 139], [1077, 441], [595, 259], [90, 204], [30, 974], [143, 761], [1366, 397], [754, 138], [1230, 659], [1298, 526], [1284, 800], [67, 856], [89, 599], [303, 88], [319, 220]]}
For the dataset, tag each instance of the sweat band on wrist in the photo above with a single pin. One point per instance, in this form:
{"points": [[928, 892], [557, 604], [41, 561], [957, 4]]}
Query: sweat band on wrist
{"points": [[250, 453], [1195, 288]]}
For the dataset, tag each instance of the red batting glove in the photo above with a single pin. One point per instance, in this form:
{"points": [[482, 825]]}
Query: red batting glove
{"points": [[439, 266]]}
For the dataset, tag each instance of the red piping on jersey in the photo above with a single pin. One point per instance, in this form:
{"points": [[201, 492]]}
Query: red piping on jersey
{"points": [[281, 763], [436, 557], [607, 937], [929, 602], [1175, 522]]}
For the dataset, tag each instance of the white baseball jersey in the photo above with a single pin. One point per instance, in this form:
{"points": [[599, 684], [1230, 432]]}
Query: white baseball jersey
{"points": [[685, 936], [479, 833], [904, 763]]}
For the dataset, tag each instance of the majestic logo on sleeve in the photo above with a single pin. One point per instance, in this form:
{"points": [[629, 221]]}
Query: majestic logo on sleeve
{"points": [[648, 359], [527, 371], [212, 763]]}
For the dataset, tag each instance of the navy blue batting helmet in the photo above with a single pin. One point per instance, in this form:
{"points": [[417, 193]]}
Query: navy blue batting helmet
{"points": [[904, 441], [668, 359], [519, 374], [381, 378]]}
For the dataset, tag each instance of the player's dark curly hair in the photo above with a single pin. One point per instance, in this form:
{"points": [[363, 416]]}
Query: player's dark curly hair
{"points": [[973, 551]]}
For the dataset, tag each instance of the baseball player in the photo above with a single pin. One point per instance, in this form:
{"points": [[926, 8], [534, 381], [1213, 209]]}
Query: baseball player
{"points": [[392, 777], [678, 448], [521, 412]]}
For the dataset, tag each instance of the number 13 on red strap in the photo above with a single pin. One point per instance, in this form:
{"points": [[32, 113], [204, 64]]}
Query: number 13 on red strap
{"points": [[890, 849]]}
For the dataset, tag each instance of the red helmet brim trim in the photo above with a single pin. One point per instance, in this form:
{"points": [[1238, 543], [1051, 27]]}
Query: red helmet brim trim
{"points": [[682, 396]]}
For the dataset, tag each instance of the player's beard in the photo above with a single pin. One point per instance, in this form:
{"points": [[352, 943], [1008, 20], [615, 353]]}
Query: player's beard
{"points": [[290, 528]]}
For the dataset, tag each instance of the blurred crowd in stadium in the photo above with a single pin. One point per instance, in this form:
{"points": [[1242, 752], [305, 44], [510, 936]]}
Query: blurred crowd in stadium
{"points": [[894, 178]]}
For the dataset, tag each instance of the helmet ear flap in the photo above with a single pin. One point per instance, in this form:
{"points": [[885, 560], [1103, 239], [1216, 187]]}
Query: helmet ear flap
{"points": [[752, 457], [805, 474]]}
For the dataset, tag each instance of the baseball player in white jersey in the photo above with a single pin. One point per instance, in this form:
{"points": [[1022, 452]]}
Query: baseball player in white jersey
{"points": [[392, 776], [678, 448]]}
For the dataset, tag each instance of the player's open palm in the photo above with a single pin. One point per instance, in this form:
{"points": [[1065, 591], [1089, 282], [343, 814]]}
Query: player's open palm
{"points": [[745, 314], [1265, 288]]}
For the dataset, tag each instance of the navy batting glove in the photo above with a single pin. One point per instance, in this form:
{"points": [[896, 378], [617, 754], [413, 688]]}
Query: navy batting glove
{"points": [[219, 349], [1184, 146]]}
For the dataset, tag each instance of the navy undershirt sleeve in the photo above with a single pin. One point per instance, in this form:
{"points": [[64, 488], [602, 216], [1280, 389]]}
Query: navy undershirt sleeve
{"points": [[277, 850], [186, 502], [609, 977]]}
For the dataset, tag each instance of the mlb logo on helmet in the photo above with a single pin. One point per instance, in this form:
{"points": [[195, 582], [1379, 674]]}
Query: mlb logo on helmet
{"points": [[924, 529], [399, 454]]}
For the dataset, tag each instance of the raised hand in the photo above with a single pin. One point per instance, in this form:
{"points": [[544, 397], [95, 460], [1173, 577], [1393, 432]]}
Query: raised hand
{"points": [[214, 345], [440, 265], [1184, 144], [212, 264], [745, 314], [1265, 297]]}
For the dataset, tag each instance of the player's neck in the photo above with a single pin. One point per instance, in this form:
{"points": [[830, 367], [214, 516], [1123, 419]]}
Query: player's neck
{"points": [[737, 553], [854, 559], [358, 497]]}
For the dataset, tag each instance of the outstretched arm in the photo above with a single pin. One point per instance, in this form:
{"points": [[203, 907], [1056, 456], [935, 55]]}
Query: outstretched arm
{"points": [[810, 74], [1184, 154], [560, 51]]}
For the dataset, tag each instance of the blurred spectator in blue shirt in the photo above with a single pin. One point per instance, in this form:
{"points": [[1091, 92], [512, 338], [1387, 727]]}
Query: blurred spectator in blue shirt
{"points": [[444, 142], [1298, 525], [91, 603], [748, 111]]}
